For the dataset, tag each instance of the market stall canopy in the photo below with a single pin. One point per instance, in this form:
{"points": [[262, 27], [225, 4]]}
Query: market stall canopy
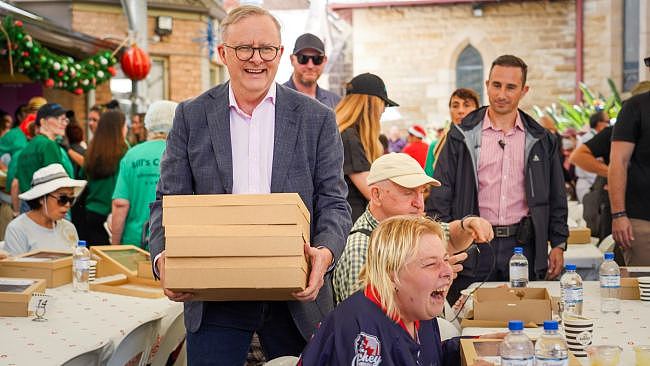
{"points": [[56, 37]]}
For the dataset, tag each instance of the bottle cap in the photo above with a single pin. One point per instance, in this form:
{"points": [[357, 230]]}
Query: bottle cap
{"points": [[81, 243], [516, 325], [609, 256], [550, 325], [570, 267], [519, 250]]}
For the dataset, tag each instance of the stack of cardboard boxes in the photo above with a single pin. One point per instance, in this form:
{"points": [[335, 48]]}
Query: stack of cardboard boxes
{"points": [[236, 247]]}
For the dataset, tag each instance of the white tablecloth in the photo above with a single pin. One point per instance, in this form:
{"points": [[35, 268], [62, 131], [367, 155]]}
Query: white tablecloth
{"points": [[629, 328], [77, 323]]}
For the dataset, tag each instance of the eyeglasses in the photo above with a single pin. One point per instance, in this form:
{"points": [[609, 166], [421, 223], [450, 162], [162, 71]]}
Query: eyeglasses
{"points": [[315, 59], [245, 53], [63, 199]]}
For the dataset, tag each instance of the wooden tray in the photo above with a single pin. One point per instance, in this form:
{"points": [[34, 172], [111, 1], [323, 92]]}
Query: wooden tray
{"points": [[15, 294], [130, 286], [118, 259], [55, 267]]}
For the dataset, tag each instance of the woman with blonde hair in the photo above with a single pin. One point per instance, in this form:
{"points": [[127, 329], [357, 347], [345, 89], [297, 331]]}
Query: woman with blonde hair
{"points": [[392, 319], [357, 116]]}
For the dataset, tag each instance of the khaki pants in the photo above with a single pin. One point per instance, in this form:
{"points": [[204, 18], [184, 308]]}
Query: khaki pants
{"points": [[639, 254], [6, 215]]}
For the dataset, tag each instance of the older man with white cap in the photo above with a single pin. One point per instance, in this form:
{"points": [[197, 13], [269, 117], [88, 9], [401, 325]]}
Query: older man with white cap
{"points": [[397, 184], [139, 173], [50, 197]]}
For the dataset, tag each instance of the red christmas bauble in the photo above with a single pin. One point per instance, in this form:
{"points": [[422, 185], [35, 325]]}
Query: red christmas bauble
{"points": [[112, 70], [49, 83], [135, 63], [18, 23], [78, 91]]}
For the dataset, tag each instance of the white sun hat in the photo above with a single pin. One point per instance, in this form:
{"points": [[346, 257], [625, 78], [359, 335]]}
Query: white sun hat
{"points": [[50, 178]]}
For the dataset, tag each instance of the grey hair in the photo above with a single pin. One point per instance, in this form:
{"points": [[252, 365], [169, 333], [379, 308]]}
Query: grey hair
{"points": [[242, 12]]}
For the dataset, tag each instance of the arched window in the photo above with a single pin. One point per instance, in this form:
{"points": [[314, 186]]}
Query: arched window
{"points": [[469, 71]]}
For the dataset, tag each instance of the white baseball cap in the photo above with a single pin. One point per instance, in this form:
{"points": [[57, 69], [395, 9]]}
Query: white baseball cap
{"points": [[401, 169]]}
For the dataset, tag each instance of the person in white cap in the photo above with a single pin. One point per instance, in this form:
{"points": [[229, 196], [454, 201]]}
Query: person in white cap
{"points": [[52, 194], [397, 184], [139, 173]]}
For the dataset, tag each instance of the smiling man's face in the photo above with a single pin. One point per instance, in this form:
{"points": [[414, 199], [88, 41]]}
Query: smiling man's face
{"points": [[251, 79]]}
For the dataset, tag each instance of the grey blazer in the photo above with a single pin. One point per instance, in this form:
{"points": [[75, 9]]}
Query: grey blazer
{"points": [[307, 159]]}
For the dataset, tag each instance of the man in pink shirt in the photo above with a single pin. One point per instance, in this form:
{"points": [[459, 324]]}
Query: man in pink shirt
{"points": [[501, 165]]}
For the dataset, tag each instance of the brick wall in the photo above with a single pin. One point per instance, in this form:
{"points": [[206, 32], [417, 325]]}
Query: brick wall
{"points": [[415, 49], [182, 49]]}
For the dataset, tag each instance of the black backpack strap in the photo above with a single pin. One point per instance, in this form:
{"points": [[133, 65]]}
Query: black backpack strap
{"points": [[363, 231]]}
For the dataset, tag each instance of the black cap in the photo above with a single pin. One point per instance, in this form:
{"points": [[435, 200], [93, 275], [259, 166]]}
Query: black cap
{"points": [[49, 110], [306, 41], [369, 84]]}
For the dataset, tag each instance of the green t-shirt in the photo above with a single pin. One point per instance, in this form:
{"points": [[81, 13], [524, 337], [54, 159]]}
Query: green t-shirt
{"points": [[428, 166], [40, 152], [14, 140], [136, 183], [11, 170], [99, 195]]}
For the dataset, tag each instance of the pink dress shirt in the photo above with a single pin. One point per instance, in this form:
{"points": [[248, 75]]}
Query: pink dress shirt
{"points": [[501, 175], [252, 140]]}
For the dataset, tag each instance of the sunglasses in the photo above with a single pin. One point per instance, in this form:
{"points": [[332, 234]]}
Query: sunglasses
{"points": [[63, 199], [315, 59]]}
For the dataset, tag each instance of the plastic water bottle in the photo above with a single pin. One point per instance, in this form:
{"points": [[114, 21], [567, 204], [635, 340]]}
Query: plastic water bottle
{"points": [[518, 268], [551, 349], [516, 348], [80, 267], [572, 292], [610, 285]]}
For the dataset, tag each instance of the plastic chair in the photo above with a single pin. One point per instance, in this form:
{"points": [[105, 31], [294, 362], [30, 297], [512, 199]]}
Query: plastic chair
{"points": [[175, 335], [283, 361], [138, 342], [94, 357]]}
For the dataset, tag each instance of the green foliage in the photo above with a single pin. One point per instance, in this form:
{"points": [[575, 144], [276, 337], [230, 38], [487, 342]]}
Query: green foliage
{"points": [[38, 63], [577, 116]]}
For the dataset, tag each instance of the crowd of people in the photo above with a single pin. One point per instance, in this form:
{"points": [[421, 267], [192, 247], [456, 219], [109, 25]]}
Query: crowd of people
{"points": [[380, 271], [60, 188]]}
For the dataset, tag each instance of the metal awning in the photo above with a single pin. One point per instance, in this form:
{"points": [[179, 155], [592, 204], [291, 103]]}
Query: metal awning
{"points": [[55, 37]]}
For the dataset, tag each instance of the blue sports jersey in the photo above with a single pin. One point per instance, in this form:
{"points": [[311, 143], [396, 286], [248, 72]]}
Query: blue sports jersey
{"points": [[358, 332]]}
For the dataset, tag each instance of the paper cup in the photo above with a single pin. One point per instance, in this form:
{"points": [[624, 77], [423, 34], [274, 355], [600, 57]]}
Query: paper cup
{"points": [[642, 353], [578, 332], [604, 355], [92, 271]]}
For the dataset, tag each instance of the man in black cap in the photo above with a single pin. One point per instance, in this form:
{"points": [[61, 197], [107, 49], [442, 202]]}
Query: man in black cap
{"points": [[629, 174], [308, 60]]}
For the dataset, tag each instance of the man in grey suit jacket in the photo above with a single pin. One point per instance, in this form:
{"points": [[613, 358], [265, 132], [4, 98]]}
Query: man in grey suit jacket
{"points": [[251, 135]]}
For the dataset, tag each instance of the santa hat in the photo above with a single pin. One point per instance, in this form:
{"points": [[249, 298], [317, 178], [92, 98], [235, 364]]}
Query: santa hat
{"points": [[417, 131]]}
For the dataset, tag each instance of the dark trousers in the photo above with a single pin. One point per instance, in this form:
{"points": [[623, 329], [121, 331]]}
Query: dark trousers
{"points": [[94, 232], [478, 265], [218, 344]]}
